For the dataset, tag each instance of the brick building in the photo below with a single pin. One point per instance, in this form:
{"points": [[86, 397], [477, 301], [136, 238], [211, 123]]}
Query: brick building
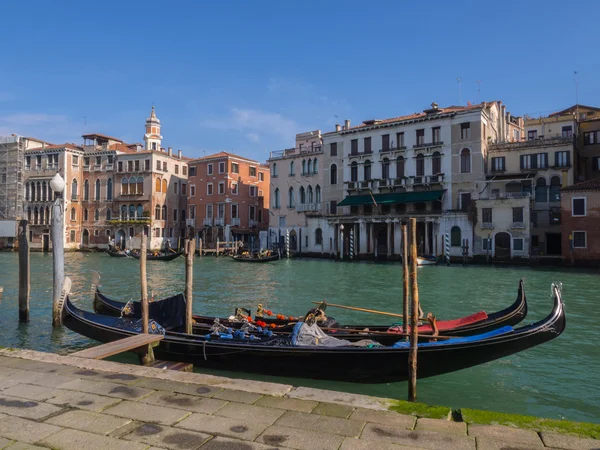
{"points": [[580, 222], [228, 199]]}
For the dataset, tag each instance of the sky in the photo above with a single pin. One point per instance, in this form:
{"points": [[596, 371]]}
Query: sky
{"points": [[246, 76]]}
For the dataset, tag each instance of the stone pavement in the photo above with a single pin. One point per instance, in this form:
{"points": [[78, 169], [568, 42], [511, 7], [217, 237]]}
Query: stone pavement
{"points": [[64, 402]]}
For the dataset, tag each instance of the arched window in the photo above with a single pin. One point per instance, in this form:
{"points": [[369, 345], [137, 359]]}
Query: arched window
{"points": [[400, 167], [109, 189], [140, 211], [123, 212], [157, 213], [276, 199], [108, 214], [132, 185], [131, 211], [140, 186], [291, 197], [97, 191], [436, 163], [125, 186], [354, 171], [367, 170], [164, 212], [302, 195], [318, 236], [555, 189], [465, 160], [73, 214], [86, 190], [318, 194], [50, 193], [29, 214], [309, 166], [158, 184], [333, 174], [44, 191], [85, 215], [35, 216], [47, 215], [311, 196], [292, 168], [164, 185], [385, 168], [74, 189], [420, 164], [541, 190], [39, 191], [97, 214], [303, 167], [315, 167], [455, 238], [27, 192], [274, 170]]}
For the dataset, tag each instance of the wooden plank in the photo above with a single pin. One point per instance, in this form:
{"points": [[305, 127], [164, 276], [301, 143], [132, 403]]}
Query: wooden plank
{"points": [[120, 346], [172, 365]]}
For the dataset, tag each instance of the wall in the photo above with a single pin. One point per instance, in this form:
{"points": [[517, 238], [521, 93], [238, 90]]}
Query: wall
{"points": [[590, 223]]}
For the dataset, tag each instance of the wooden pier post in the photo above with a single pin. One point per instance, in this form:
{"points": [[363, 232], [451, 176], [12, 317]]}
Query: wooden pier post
{"points": [[144, 282], [414, 330], [200, 247], [24, 272], [405, 295], [57, 234], [190, 250]]}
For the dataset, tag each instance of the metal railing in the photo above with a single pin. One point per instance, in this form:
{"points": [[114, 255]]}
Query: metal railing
{"points": [[517, 226], [308, 207], [429, 144], [219, 221], [487, 226], [235, 221], [207, 222], [253, 223], [190, 222]]}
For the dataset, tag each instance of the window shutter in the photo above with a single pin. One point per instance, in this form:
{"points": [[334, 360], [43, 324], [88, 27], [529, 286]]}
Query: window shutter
{"points": [[556, 159], [545, 160], [534, 159], [568, 159], [522, 161]]}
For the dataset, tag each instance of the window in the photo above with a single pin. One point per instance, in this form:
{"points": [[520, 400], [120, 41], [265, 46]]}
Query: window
{"points": [[193, 212], [85, 215], [108, 214], [420, 137], [315, 166], [183, 189], [318, 236], [274, 170], [28, 162], [234, 188], [192, 190], [73, 214], [385, 168], [209, 211], [86, 161], [465, 160], [399, 140], [455, 237], [252, 171], [164, 185], [185, 170], [260, 215], [209, 169], [465, 201], [333, 149], [499, 164], [222, 167], [517, 215], [209, 189], [465, 130], [333, 174], [303, 167], [86, 190], [531, 135], [221, 187], [192, 171], [72, 235], [367, 145], [555, 189], [252, 212], [137, 165], [436, 135], [235, 167], [578, 206], [292, 173], [541, 160], [436, 163], [420, 165], [176, 169], [164, 212], [354, 171], [276, 199], [541, 190], [252, 191], [526, 162], [97, 214], [486, 244], [75, 160], [354, 147], [165, 166], [567, 131], [261, 176], [175, 188], [175, 211], [183, 215], [579, 239], [385, 142], [486, 215], [367, 170], [591, 137], [518, 244], [97, 191], [400, 167], [302, 198], [147, 165], [158, 165], [318, 194], [129, 166], [562, 159], [158, 185]]}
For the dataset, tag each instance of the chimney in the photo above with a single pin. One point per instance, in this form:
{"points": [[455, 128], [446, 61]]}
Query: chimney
{"points": [[347, 124], [170, 151], [338, 127], [179, 154]]}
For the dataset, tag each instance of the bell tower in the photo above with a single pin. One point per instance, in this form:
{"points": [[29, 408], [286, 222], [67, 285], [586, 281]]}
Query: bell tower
{"points": [[152, 138]]}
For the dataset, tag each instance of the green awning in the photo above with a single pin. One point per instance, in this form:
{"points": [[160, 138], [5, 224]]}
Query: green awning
{"points": [[393, 198]]}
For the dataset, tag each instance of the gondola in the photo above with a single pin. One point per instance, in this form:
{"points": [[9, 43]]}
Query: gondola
{"points": [[276, 355], [117, 253], [242, 258], [477, 323], [160, 257]]}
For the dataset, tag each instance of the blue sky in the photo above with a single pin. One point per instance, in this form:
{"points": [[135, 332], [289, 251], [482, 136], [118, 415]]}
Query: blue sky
{"points": [[245, 76]]}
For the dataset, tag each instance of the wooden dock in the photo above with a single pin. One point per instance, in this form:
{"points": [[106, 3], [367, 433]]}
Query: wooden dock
{"points": [[138, 343]]}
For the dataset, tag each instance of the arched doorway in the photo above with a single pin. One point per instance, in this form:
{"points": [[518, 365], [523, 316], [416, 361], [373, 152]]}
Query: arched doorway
{"points": [[381, 241], [293, 241], [85, 238], [120, 239], [502, 246]]}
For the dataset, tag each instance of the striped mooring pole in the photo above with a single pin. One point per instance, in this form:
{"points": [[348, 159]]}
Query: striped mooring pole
{"points": [[447, 248], [287, 243], [352, 242]]}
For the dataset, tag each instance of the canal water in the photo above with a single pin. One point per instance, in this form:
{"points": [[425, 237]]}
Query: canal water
{"points": [[560, 379]]}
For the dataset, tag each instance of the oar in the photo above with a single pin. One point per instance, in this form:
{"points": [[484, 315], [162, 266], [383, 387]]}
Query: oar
{"points": [[373, 311], [386, 333]]}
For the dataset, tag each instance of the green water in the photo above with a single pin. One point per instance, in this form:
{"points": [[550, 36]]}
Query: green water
{"points": [[558, 380]]}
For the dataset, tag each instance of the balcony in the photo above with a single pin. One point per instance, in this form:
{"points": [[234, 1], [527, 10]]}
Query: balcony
{"points": [[416, 181], [190, 223], [97, 167], [220, 221], [235, 222], [109, 167], [428, 144], [532, 143], [207, 222], [517, 226], [86, 167], [434, 179], [129, 220], [253, 223], [308, 207], [74, 198], [505, 195], [393, 149], [487, 226]]}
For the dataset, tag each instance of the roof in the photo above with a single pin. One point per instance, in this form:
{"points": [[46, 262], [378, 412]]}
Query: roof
{"points": [[100, 135], [590, 185], [572, 109], [224, 155], [392, 198], [55, 147]]}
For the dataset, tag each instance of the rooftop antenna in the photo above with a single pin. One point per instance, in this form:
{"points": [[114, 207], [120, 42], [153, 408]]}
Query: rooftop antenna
{"points": [[478, 91], [575, 73], [459, 81]]}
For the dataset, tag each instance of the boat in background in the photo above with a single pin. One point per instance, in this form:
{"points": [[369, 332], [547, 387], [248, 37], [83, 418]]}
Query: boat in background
{"points": [[426, 260], [158, 256]]}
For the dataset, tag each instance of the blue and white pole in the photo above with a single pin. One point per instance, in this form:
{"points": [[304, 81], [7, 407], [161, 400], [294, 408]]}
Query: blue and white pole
{"points": [[287, 242], [447, 248], [352, 243]]}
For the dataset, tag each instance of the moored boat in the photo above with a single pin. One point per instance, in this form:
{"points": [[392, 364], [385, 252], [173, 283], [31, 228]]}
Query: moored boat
{"points": [[258, 259], [117, 253], [158, 256]]}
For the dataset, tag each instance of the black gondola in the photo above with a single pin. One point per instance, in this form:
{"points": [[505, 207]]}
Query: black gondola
{"points": [[510, 316], [357, 364], [264, 259], [117, 253], [160, 257]]}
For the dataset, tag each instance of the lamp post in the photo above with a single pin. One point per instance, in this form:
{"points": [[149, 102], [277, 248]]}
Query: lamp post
{"points": [[57, 184], [342, 242]]}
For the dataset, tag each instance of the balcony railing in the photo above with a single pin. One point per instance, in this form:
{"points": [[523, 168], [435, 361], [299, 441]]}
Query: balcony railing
{"points": [[97, 167], [502, 195], [539, 142], [219, 221], [518, 226], [429, 144], [109, 167], [308, 207], [253, 223], [190, 222], [392, 149], [74, 197], [487, 226], [128, 219], [235, 221], [360, 154], [207, 221]]}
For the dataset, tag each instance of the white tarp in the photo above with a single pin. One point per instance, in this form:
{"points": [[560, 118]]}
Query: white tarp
{"points": [[8, 228]]}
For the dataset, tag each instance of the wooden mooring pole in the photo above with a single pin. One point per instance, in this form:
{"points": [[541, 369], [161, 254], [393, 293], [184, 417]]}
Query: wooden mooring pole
{"points": [[23, 272], [190, 250], [144, 281], [405, 296], [414, 329]]}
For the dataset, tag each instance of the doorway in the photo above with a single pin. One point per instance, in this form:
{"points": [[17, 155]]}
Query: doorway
{"points": [[120, 239], [502, 246], [46, 242], [85, 239], [553, 244]]}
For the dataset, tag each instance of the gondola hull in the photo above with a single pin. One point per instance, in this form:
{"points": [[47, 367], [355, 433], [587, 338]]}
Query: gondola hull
{"points": [[239, 258], [117, 254], [162, 257], [366, 365]]}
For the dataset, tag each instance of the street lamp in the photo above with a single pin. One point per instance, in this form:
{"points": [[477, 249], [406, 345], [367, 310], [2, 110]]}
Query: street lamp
{"points": [[57, 184], [341, 241]]}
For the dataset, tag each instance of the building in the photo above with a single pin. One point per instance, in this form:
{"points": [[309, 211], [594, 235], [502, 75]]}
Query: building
{"points": [[588, 154], [229, 199], [580, 223], [298, 178]]}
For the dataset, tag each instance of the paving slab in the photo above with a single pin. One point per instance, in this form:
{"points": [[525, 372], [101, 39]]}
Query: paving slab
{"points": [[250, 412], [79, 440], [28, 409], [503, 433], [237, 396], [183, 401], [83, 400], [314, 422], [47, 380], [333, 410], [109, 389], [198, 389], [424, 439], [299, 439], [4, 442], [224, 426], [158, 384], [25, 446], [385, 418], [119, 378], [441, 426], [223, 443], [366, 444], [484, 443], [88, 421], [290, 404], [569, 442], [145, 413], [344, 398], [25, 430], [30, 392], [167, 437]]}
